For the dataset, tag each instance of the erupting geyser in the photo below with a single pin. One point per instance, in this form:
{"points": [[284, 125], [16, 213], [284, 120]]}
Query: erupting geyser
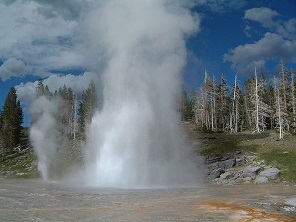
{"points": [[135, 141]]}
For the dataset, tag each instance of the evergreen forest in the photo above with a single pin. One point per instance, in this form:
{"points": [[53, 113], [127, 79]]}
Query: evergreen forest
{"points": [[256, 105], [11, 119], [72, 116]]}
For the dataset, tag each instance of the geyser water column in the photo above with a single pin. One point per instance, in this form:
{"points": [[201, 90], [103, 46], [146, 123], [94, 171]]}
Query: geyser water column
{"points": [[135, 140]]}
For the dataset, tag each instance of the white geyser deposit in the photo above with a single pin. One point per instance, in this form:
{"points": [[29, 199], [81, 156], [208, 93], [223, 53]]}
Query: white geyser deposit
{"points": [[135, 140]]}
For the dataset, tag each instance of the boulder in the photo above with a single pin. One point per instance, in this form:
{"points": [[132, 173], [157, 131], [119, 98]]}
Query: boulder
{"points": [[225, 158], [214, 165], [226, 164], [212, 159], [247, 178], [261, 179], [271, 173], [239, 161], [226, 175], [216, 173], [251, 172]]}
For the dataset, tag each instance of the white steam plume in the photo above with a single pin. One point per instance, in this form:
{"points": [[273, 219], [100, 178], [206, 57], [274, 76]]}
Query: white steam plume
{"points": [[44, 133], [135, 141]]}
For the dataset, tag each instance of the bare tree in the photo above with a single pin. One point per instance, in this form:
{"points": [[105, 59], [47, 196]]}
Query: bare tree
{"points": [[199, 108], [261, 110], [279, 108], [235, 112]]}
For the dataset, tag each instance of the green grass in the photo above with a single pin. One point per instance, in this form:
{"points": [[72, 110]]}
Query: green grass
{"points": [[220, 144], [24, 165], [19, 165], [285, 162], [277, 153]]}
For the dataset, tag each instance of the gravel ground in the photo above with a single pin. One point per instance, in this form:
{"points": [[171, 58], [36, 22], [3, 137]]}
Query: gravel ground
{"points": [[35, 200]]}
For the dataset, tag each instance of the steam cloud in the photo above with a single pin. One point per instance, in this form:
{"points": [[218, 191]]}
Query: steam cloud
{"points": [[43, 133], [135, 141]]}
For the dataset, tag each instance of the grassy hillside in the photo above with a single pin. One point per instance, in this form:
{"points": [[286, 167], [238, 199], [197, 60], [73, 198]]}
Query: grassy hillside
{"points": [[19, 165], [278, 153], [267, 146]]}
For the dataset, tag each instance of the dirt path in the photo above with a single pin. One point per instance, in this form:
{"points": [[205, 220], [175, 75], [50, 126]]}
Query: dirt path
{"points": [[33, 200]]}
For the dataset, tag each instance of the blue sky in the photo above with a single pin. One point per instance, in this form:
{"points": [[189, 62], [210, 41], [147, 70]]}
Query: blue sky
{"points": [[44, 39], [224, 29]]}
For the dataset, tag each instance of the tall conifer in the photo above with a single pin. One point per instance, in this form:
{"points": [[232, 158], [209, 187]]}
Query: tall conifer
{"points": [[11, 122]]}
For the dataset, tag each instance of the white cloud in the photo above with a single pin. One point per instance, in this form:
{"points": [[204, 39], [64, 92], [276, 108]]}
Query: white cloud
{"points": [[278, 43], [41, 34], [26, 91], [272, 46], [262, 15], [288, 29], [270, 19], [77, 83], [247, 31], [13, 68], [219, 6]]}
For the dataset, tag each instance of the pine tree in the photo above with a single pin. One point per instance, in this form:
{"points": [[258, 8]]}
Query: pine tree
{"points": [[199, 108], [11, 122], [67, 113], [40, 90], [270, 100], [214, 95], [223, 105], [1, 125], [87, 107], [186, 109], [293, 102]]}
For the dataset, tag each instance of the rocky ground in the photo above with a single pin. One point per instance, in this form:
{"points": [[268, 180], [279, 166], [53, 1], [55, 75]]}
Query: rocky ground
{"points": [[257, 194], [236, 159], [239, 169], [232, 168]]}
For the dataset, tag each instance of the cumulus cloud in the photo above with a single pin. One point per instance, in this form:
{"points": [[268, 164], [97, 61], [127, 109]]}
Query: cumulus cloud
{"points": [[69, 10], [278, 43], [26, 91], [271, 46], [262, 15], [40, 34], [288, 29], [269, 19], [13, 68]]}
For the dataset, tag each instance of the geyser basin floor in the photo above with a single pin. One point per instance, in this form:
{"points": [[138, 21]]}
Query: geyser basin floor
{"points": [[31, 200]]}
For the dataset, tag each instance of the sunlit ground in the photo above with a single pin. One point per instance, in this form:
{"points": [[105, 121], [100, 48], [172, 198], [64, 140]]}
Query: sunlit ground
{"points": [[34, 200]]}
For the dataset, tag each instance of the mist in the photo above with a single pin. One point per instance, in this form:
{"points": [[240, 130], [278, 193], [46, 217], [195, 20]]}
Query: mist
{"points": [[136, 140], [44, 133]]}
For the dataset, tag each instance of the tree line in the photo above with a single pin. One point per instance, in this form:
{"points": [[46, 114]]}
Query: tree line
{"points": [[256, 106], [74, 114], [11, 119]]}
